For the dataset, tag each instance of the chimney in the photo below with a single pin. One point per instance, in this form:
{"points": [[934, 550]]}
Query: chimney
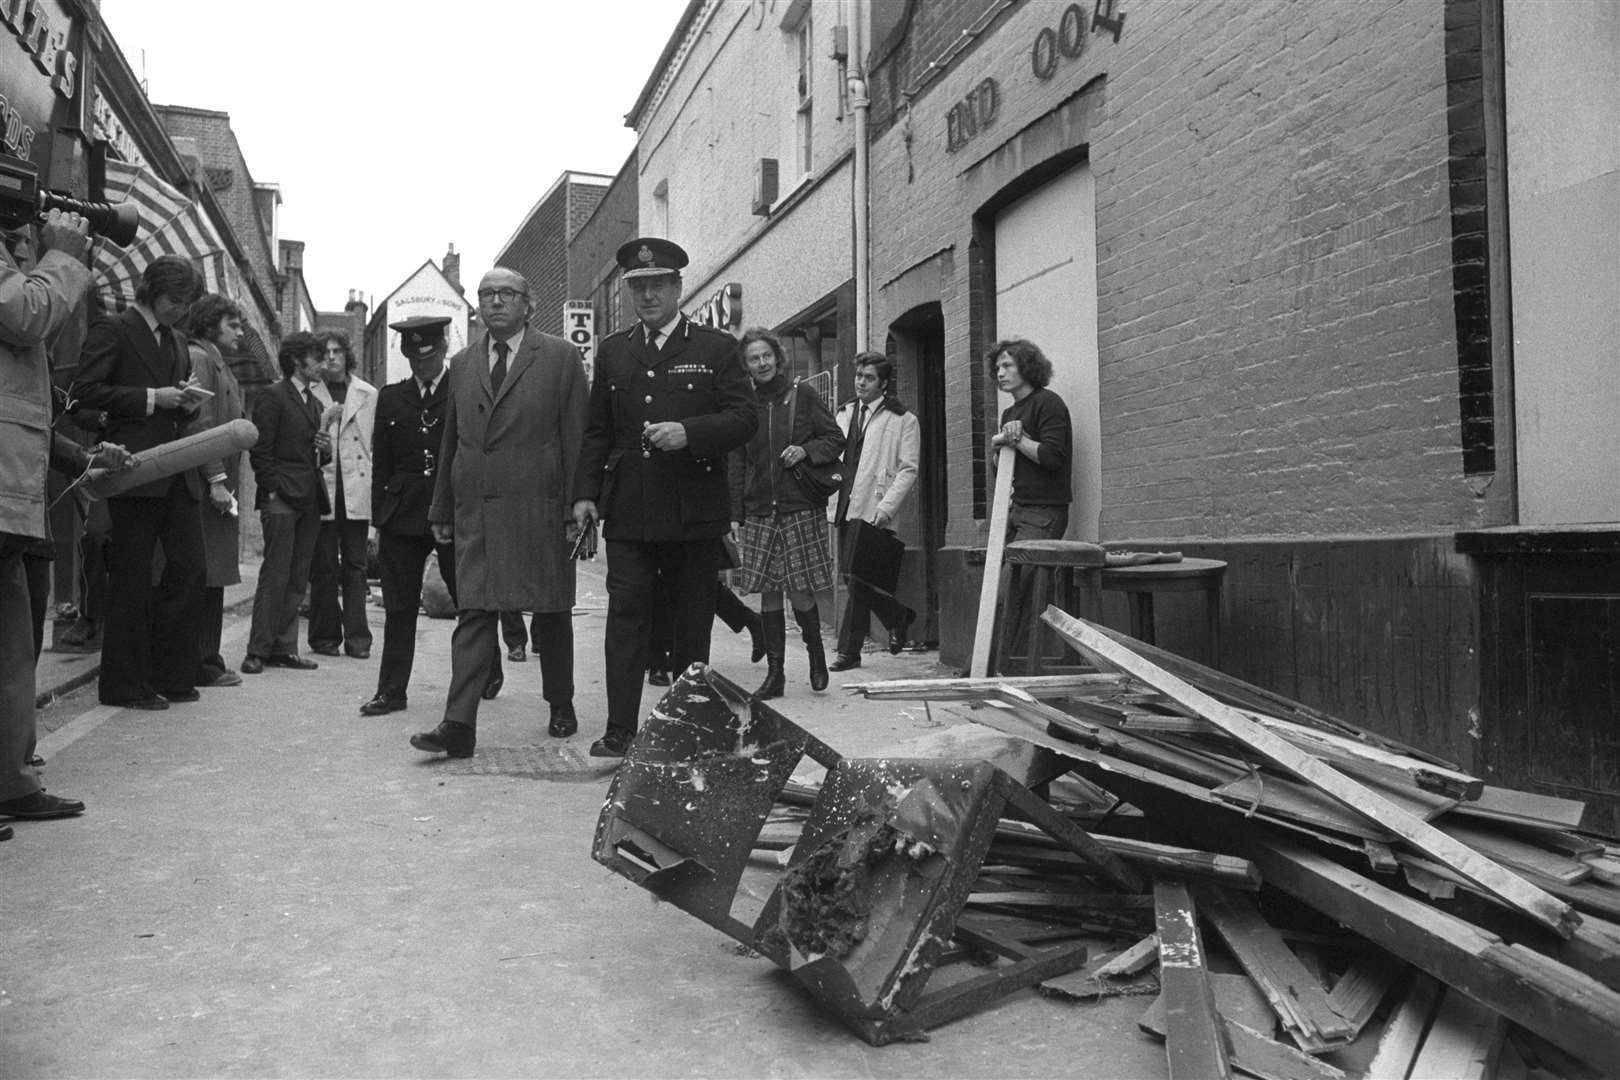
{"points": [[452, 266]]}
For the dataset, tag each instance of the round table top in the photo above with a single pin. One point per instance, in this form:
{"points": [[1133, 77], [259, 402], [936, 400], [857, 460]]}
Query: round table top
{"points": [[1148, 573]]}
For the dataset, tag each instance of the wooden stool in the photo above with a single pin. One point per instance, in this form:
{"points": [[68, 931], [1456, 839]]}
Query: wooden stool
{"points": [[1139, 583], [1067, 572]]}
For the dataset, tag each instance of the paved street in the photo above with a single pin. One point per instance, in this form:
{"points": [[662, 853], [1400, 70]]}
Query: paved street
{"points": [[268, 884]]}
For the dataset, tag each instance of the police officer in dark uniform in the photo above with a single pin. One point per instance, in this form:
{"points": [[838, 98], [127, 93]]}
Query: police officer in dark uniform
{"points": [[404, 458], [670, 400]]}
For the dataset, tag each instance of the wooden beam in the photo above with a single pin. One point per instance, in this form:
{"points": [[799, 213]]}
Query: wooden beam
{"points": [[1358, 798], [1360, 990], [1564, 1006], [1298, 999], [970, 689], [1133, 961], [1403, 1035], [984, 630], [1463, 1042], [1194, 1037]]}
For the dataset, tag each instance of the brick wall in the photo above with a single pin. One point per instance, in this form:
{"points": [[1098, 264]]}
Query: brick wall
{"points": [[593, 243], [539, 248]]}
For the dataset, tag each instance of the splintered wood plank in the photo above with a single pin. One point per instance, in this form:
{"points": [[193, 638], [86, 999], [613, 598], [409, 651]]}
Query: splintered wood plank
{"points": [[1298, 999], [1516, 852], [1504, 885], [970, 689], [1252, 1052], [1403, 1035], [1237, 999], [996, 543], [1528, 806], [1359, 991], [1133, 961], [1553, 999], [1194, 1037], [1463, 1042]]}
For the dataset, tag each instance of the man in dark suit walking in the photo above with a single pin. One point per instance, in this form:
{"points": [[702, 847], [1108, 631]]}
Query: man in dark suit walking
{"points": [[404, 463], [291, 499], [135, 368], [670, 399], [512, 434]]}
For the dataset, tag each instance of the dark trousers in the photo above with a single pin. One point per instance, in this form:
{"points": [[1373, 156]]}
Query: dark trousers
{"points": [[475, 659], [861, 603], [211, 665], [150, 642], [729, 608], [687, 570], [1027, 523], [37, 568], [289, 545], [551, 633], [93, 561], [337, 586], [401, 561], [513, 632], [17, 777]]}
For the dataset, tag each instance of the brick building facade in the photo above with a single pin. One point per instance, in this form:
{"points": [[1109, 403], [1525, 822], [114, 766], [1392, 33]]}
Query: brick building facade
{"points": [[539, 249]]}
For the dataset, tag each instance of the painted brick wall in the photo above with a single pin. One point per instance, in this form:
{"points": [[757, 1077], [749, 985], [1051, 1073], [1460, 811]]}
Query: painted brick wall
{"points": [[733, 102]]}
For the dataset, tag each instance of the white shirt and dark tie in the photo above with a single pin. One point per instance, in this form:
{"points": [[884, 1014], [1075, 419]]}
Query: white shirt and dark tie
{"points": [[499, 353]]}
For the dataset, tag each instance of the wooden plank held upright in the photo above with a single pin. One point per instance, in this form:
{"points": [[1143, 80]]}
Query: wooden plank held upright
{"points": [[990, 587]]}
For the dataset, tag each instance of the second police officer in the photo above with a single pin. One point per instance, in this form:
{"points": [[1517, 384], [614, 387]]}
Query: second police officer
{"points": [[670, 399]]}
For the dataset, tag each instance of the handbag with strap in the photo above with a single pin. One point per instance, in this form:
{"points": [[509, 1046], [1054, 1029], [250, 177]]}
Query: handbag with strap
{"points": [[818, 483]]}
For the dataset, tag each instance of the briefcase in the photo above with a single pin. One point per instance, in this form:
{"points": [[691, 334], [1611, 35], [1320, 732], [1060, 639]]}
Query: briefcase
{"points": [[872, 556]]}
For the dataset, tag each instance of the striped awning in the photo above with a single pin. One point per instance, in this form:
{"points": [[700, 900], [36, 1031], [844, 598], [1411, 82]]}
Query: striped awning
{"points": [[171, 224]]}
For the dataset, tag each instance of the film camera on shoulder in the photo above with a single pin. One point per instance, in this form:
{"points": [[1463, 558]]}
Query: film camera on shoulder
{"points": [[23, 202]]}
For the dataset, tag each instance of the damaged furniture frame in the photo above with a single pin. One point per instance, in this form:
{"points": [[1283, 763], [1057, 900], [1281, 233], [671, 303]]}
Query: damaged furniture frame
{"points": [[872, 897]]}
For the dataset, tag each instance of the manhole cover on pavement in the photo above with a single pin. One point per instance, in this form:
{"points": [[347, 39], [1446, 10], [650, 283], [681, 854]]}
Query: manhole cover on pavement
{"points": [[556, 761]]}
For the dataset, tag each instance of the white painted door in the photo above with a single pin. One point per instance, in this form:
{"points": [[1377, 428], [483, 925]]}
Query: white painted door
{"points": [[1046, 291]]}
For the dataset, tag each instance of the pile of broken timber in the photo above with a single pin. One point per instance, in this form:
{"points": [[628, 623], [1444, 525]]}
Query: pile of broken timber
{"points": [[1505, 910]]}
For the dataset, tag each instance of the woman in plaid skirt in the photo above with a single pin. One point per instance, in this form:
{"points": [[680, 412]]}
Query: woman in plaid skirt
{"points": [[783, 532]]}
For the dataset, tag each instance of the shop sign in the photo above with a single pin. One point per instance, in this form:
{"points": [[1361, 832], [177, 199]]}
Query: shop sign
{"points": [[1068, 39], [44, 38], [106, 125], [723, 310], [39, 41], [972, 114], [579, 327]]}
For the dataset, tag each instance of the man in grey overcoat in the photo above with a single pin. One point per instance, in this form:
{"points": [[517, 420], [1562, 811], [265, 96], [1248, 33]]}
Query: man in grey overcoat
{"points": [[512, 435]]}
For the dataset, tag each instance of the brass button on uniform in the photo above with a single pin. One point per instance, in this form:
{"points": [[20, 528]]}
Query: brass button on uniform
{"points": [[649, 373], [648, 399], [646, 453]]}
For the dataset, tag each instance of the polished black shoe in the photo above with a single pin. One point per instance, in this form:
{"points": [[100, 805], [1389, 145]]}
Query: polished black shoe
{"points": [[616, 743], [361, 653], [901, 633], [381, 705], [326, 650], [150, 703], [181, 695], [40, 806], [658, 677], [36, 761], [517, 654], [5, 832], [252, 665], [290, 661], [843, 662], [452, 740], [493, 687], [563, 722]]}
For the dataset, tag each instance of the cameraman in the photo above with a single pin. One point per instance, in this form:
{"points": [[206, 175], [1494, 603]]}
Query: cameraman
{"points": [[33, 306]]}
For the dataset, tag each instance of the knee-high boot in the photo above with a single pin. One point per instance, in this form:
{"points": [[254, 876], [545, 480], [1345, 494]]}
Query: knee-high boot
{"points": [[810, 625], [775, 632]]}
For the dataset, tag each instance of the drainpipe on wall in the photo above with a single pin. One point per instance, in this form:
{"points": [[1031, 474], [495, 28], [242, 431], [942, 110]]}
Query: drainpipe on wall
{"points": [[861, 105]]}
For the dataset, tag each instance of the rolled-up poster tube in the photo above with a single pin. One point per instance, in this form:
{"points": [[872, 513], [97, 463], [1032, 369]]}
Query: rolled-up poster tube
{"points": [[172, 457]]}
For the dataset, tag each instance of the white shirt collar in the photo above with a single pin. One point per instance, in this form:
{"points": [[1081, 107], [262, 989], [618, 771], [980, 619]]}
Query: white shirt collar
{"points": [[149, 315], [513, 344], [666, 331]]}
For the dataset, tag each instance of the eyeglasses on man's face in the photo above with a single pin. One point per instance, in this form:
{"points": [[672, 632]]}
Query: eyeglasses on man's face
{"points": [[505, 296]]}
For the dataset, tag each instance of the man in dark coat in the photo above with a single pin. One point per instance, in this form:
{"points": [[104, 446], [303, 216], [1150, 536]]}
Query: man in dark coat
{"points": [[671, 398], [291, 499], [512, 434], [404, 464], [135, 367]]}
